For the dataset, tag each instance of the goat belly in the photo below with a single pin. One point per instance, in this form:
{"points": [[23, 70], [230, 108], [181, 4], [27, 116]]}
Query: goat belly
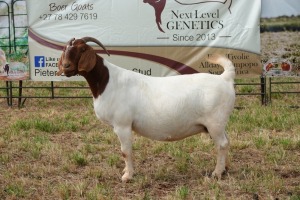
{"points": [[157, 130]]}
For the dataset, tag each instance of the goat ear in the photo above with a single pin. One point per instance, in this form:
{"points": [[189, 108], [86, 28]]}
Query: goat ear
{"points": [[87, 60], [59, 64]]}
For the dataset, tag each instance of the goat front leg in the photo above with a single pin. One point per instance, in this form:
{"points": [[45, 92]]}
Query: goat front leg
{"points": [[125, 137]]}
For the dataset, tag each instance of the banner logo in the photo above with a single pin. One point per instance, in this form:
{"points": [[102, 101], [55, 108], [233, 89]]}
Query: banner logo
{"points": [[39, 61], [159, 6]]}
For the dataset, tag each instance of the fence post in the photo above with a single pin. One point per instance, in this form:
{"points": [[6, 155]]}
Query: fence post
{"points": [[9, 92], [263, 90], [20, 103], [52, 90], [270, 90]]}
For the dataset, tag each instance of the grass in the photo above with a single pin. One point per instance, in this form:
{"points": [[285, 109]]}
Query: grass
{"points": [[61, 151]]}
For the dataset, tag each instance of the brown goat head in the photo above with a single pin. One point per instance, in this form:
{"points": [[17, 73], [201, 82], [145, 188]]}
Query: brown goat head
{"points": [[78, 57]]}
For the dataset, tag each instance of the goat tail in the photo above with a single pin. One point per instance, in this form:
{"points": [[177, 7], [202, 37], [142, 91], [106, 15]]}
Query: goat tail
{"points": [[229, 70]]}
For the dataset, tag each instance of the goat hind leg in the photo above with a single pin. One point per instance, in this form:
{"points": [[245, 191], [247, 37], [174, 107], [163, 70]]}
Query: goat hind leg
{"points": [[222, 146], [227, 161], [125, 137]]}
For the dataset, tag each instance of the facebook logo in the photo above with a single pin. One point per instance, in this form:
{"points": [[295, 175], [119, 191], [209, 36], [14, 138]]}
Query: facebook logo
{"points": [[39, 61]]}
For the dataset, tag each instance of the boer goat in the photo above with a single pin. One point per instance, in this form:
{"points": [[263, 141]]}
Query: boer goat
{"points": [[159, 108]]}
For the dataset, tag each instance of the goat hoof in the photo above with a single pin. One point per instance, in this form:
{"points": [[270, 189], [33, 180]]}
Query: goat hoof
{"points": [[226, 169], [126, 178], [217, 175]]}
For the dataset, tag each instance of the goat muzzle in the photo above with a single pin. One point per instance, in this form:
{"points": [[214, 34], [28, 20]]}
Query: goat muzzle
{"points": [[59, 72]]}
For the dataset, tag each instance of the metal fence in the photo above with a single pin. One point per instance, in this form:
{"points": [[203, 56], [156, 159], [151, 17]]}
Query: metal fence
{"points": [[15, 90], [265, 89], [262, 90], [274, 91]]}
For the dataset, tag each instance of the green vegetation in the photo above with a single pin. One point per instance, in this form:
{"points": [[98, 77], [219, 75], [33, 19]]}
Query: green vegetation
{"points": [[283, 23], [57, 149]]}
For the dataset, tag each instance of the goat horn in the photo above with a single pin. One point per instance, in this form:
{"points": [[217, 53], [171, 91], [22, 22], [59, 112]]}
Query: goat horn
{"points": [[71, 41], [90, 39]]}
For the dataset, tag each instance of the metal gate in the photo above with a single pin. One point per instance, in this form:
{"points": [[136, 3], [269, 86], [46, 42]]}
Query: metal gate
{"points": [[5, 28], [13, 34], [20, 34]]}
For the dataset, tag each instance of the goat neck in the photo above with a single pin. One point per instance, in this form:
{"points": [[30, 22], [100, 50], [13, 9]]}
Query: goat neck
{"points": [[98, 77]]}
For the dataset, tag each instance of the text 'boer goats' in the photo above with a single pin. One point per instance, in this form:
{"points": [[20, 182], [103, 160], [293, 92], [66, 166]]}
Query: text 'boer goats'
{"points": [[159, 108]]}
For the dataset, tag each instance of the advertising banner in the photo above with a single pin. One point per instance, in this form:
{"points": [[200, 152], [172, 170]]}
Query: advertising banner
{"points": [[152, 37], [14, 63]]}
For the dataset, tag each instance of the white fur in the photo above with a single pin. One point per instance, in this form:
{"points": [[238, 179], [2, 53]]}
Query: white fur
{"points": [[168, 108]]}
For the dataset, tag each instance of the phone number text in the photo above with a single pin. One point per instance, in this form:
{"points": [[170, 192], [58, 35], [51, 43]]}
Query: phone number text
{"points": [[70, 16]]}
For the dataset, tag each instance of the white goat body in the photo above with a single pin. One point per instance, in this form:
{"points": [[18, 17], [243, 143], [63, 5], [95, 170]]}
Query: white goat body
{"points": [[159, 108], [165, 108]]}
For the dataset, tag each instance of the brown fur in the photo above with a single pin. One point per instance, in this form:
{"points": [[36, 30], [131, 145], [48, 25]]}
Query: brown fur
{"points": [[80, 58]]}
